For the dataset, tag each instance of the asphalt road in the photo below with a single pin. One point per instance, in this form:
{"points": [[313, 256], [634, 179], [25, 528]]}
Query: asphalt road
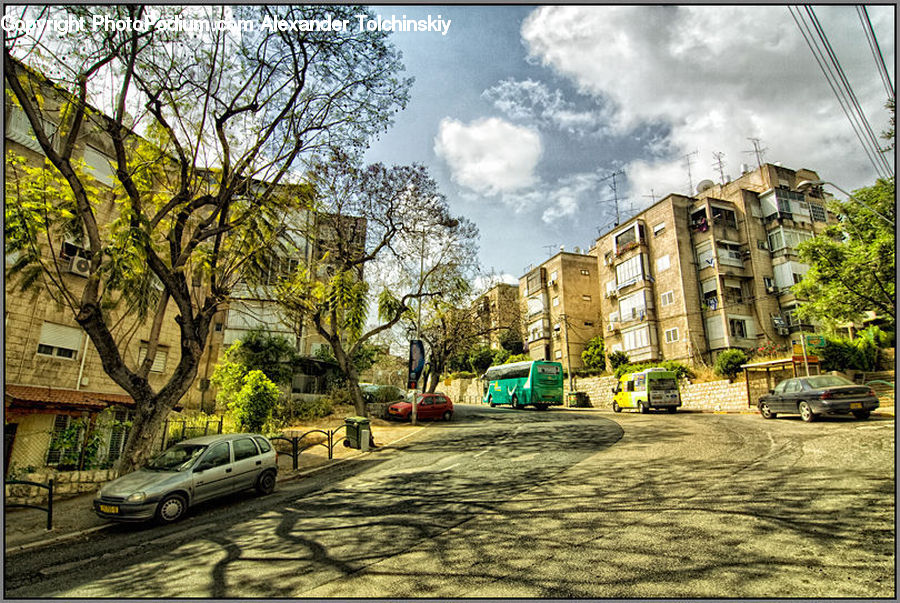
{"points": [[503, 503]]}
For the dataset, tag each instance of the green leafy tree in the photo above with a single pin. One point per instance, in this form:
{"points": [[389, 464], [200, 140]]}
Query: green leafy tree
{"points": [[204, 132], [518, 358], [511, 341], [258, 350], [617, 359], [593, 355], [852, 264], [384, 221], [728, 363], [253, 404], [500, 356]]}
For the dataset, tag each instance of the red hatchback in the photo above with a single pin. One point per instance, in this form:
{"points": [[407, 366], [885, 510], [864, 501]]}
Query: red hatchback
{"points": [[428, 406]]}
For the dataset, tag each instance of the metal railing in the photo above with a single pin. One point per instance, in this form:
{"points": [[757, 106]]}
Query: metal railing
{"points": [[329, 443], [48, 509]]}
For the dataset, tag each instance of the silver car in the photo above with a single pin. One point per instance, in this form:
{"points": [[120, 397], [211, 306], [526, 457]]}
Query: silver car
{"points": [[190, 472]]}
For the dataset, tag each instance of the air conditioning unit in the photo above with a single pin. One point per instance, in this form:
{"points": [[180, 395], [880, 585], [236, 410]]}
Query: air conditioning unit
{"points": [[552, 282], [770, 289], [783, 331], [610, 327], [80, 266]]}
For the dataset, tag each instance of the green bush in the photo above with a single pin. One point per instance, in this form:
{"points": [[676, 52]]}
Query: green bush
{"points": [[500, 356], [518, 358], [593, 354], [387, 393], [463, 375], [682, 371], [253, 404], [617, 359], [861, 354], [728, 363]]}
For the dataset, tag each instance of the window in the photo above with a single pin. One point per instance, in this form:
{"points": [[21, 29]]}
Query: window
{"points": [[730, 254], [585, 272], [263, 444], [737, 327], [638, 338], [629, 239], [724, 217], [18, 128], [99, 166], [761, 244], [554, 275], [705, 257], [58, 450], [218, 327], [588, 323], [586, 298], [244, 449], [217, 455], [629, 271], [610, 288], [614, 317], [533, 281], [633, 306], [783, 237], [817, 211], [732, 293], [659, 229], [558, 354], [663, 263], [667, 298], [710, 290], [59, 340], [555, 301], [768, 282], [159, 362], [698, 220], [671, 335]]}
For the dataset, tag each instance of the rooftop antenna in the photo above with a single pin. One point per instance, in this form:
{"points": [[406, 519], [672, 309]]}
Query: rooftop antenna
{"points": [[550, 249], [757, 150], [651, 196], [614, 188], [719, 164], [688, 163]]}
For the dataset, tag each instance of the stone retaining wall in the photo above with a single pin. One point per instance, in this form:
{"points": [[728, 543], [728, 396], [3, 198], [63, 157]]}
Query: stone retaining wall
{"points": [[710, 396], [66, 484]]}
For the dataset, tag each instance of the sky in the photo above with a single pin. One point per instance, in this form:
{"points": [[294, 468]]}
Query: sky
{"points": [[521, 113]]}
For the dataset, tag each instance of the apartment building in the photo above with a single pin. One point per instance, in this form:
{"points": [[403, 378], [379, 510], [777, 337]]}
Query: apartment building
{"points": [[691, 276], [497, 310], [560, 307]]}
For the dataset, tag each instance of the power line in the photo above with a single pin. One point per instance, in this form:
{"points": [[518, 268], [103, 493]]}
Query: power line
{"points": [[842, 94], [876, 51]]}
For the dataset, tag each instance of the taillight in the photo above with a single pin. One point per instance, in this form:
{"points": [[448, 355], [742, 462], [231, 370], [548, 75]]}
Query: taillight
{"points": [[872, 393], [826, 396]]}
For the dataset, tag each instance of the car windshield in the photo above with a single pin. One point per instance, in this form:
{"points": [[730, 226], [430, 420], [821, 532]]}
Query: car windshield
{"points": [[821, 381], [177, 458]]}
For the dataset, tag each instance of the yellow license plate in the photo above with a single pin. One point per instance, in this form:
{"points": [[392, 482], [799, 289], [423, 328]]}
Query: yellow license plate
{"points": [[855, 405], [109, 508]]}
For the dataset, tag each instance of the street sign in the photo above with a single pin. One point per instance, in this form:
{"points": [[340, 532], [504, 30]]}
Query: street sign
{"points": [[798, 349], [815, 341], [799, 358]]}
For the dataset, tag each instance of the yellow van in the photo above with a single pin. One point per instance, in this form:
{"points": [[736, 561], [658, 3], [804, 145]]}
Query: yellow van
{"points": [[650, 388]]}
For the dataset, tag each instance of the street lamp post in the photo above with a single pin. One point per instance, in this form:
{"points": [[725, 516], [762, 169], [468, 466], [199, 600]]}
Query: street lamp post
{"points": [[811, 183]]}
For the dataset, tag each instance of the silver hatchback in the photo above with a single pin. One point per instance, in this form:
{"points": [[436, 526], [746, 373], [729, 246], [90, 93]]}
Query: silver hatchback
{"points": [[190, 472]]}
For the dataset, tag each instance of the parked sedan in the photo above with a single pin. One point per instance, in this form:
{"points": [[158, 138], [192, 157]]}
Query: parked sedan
{"points": [[818, 395], [428, 406], [190, 472]]}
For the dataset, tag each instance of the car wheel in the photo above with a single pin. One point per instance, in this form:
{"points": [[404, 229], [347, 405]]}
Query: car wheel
{"points": [[265, 483], [171, 508], [616, 407], [765, 411], [806, 412], [644, 408], [514, 401], [861, 414], [448, 415], [491, 402]]}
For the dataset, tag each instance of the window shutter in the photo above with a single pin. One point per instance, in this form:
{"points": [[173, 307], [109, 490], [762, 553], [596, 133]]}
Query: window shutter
{"points": [[61, 336], [159, 363]]}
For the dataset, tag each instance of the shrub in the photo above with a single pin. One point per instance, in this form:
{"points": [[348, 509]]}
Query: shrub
{"points": [[463, 375], [518, 358], [388, 393], [860, 354], [253, 404], [593, 354], [500, 356], [728, 363], [617, 359], [681, 371]]}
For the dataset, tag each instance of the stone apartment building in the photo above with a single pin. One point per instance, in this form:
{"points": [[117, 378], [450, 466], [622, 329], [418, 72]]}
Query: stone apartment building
{"points": [[560, 307], [497, 310], [691, 276]]}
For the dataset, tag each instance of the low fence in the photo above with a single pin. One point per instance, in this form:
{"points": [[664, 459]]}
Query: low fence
{"points": [[329, 442], [7, 504], [176, 430]]}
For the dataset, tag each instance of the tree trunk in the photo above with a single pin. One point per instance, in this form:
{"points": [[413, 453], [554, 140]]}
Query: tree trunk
{"points": [[144, 429]]}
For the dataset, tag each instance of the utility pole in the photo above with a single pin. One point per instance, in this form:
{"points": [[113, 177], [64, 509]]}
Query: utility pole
{"points": [[565, 321]]}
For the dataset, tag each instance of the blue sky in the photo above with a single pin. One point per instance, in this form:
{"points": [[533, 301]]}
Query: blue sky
{"points": [[520, 111]]}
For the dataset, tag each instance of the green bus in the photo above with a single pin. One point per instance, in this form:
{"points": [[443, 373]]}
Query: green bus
{"points": [[531, 383]]}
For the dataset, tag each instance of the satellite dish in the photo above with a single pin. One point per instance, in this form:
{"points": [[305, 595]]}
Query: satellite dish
{"points": [[705, 185]]}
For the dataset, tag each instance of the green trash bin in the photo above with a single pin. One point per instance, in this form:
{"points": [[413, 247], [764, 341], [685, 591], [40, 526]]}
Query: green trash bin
{"points": [[358, 430], [578, 400]]}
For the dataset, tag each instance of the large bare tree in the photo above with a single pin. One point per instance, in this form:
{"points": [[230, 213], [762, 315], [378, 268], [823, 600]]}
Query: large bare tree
{"points": [[205, 133]]}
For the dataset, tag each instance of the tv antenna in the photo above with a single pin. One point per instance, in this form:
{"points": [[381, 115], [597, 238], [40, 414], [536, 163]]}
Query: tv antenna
{"points": [[688, 162], [614, 188], [651, 196], [719, 164], [757, 150], [550, 248]]}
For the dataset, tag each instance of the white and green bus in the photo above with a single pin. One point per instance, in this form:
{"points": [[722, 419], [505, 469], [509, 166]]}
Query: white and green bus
{"points": [[531, 383]]}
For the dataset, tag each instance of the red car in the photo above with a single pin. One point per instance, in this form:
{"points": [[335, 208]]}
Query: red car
{"points": [[428, 406]]}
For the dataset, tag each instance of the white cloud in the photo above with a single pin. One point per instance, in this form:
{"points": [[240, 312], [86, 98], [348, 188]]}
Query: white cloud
{"points": [[716, 76], [533, 101], [489, 156]]}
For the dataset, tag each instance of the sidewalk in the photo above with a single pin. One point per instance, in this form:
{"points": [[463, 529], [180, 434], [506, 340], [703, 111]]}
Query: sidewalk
{"points": [[26, 529]]}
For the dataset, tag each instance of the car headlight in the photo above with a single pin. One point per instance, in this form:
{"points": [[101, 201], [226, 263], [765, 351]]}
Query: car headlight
{"points": [[99, 494], [137, 497]]}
